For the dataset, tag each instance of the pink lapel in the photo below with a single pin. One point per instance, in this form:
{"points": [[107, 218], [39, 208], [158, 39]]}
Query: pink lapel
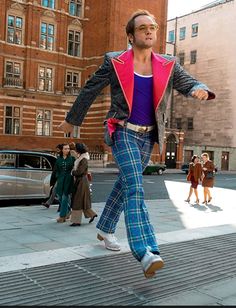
{"points": [[125, 74], [161, 69], [124, 69]]}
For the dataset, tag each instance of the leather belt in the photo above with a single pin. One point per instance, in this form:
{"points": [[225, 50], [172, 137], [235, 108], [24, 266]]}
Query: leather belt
{"points": [[137, 128]]}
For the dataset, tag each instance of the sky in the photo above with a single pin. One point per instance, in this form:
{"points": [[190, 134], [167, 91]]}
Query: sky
{"points": [[182, 7]]}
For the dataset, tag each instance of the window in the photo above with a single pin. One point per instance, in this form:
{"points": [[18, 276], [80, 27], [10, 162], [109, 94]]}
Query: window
{"points": [[14, 29], [29, 161], [49, 3], [193, 56], [13, 72], [12, 120], [190, 123], [7, 160], [45, 79], [74, 43], [178, 123], [47, 36], [43, 124], [75, 133], [181, 58], [171, 36], [194, 30], [72, 83], [75, 7], [182, 33]]}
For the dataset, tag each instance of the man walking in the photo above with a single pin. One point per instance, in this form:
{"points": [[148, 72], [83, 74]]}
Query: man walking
{"points": [[141, 82]]}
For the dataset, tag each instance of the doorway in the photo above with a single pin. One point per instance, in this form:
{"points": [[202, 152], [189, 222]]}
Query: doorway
{"points": [[225, 161], [171, 150]]}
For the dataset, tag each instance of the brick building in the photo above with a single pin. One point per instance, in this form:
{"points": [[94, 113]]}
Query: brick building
{"points": [[48, 49]]}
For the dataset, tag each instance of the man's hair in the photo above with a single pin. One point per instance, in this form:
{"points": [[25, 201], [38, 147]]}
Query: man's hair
{"points": [[130, 25]]}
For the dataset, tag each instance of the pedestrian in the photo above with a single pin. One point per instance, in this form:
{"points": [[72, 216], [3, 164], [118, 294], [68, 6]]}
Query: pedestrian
{"points": [[208, 177], [53, 182], [64, 165], [141, 82], [194, 176], [81, 197]]}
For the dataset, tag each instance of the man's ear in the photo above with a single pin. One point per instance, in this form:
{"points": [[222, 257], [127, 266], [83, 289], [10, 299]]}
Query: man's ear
{"points": [[131, 38]]}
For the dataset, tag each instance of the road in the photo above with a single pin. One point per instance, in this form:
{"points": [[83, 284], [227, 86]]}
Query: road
{"points": [[154, 185]]}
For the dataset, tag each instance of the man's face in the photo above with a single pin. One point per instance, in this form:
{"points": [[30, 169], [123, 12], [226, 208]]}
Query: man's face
{"points": [[144, 32]]}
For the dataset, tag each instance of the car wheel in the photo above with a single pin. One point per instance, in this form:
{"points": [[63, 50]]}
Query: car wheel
{"points": [[160, 171]]}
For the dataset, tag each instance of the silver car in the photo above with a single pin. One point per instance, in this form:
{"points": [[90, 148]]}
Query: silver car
{"points": [[25, 174]]}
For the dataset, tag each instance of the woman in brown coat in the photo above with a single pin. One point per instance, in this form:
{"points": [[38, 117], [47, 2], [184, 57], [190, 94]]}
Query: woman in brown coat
{"points": [[208, 177], [195, 176], [81, 196]]}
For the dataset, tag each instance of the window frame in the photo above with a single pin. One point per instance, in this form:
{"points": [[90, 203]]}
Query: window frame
{"points": [[190, 123], [46, 79], [181, 57], [16, 80], [182, 34], [44, 120], [81, 4], [193, 56], [14, 27], [74, 42], [194, 30], [47, 23], [48, 6], [169, 35], [13, 118]]}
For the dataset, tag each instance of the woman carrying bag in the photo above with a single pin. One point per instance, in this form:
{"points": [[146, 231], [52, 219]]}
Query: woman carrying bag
{"points": [[81, 196], [208, 177]]}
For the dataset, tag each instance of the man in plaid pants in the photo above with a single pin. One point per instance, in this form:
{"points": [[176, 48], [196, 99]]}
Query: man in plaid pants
{"points": [[141, 82]]}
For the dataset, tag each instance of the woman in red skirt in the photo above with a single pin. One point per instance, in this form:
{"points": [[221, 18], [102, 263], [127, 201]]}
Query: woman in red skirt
{"points": [[194, 176]]}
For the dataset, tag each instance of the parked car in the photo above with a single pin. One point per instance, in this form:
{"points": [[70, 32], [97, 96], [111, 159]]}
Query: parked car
{"points": [[185, 167], [25, 174], [154, 168]]}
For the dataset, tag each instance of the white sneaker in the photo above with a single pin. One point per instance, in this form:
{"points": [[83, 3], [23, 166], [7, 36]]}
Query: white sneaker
{"points": [[151, 263], [109, 240]]}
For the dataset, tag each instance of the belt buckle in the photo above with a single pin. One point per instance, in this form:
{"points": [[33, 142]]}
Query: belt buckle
{"points": [[142, 129]]}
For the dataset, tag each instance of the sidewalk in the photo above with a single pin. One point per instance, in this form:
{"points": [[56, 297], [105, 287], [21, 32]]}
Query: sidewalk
{"points": [[31, 239]]}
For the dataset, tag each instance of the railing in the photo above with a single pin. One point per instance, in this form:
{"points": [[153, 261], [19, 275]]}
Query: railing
{"points": [[13, 82], [72, 90], [98, 159]]}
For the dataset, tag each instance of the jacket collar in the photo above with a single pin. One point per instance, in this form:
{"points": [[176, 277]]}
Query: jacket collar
{"points": [[124, 68]]}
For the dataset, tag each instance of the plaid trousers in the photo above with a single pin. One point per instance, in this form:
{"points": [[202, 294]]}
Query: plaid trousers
{"points": [[131, 151]]}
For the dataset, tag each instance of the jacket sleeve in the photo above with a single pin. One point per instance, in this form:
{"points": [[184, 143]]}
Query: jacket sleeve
{"points": [[184, 83], [99, 80]]}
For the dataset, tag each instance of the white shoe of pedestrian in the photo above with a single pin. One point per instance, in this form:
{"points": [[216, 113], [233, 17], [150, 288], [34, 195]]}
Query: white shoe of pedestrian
{"points": [[151, 263], [109, 240]]}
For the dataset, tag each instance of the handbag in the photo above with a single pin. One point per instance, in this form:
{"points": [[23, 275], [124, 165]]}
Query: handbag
{"points": [[209, 175], [89, 177]]}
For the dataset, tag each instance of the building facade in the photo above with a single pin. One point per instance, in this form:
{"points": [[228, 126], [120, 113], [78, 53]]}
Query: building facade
{"points": [[204, 45], [48, 49]]}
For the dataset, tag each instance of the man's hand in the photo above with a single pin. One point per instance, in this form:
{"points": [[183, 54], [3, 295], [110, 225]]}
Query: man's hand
{"points": [[66, 127], [200, 94]]}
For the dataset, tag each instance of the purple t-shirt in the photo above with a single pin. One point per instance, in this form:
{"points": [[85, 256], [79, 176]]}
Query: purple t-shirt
{"points": [[142, 112]]}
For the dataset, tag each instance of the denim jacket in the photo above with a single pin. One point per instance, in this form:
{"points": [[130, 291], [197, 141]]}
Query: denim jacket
{"points": [[117, 71]]}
